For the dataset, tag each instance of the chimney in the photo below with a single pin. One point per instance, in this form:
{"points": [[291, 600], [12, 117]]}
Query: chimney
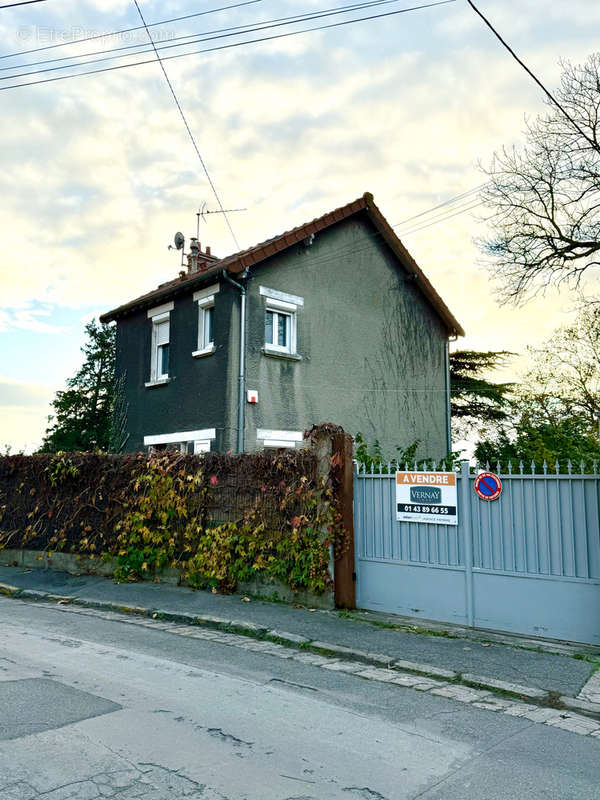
{"points": [[193, 255]]}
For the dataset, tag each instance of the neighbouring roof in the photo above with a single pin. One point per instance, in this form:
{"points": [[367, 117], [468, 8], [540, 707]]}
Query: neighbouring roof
{"points": [[238, 262]]}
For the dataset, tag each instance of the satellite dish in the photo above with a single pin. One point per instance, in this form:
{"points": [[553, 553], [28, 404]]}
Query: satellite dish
{"points": [[179, 240]]}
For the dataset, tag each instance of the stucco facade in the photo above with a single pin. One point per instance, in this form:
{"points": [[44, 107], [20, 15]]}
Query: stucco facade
{"points": [[369, 355]]}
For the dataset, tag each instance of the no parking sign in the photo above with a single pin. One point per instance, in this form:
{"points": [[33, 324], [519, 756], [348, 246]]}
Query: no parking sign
{"points": [[488, 486]]}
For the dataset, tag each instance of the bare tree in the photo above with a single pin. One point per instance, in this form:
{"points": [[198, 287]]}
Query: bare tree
{"points": [[545, 196], [565, 378]]}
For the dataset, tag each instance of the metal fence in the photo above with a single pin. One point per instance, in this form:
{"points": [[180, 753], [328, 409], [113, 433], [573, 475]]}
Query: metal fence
{"points": [[528, 562]]}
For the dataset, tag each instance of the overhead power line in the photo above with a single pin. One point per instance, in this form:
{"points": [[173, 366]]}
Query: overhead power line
{"points": [[187, 127], [428, 224], [127, 30], [441, 205], [531, 75], [195, 38], [227, 46], [24, 3]]}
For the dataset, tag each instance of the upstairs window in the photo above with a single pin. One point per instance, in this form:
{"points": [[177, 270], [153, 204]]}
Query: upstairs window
{"points": [[278, 326], [160, 348], [206, 315], [161, 340], [205, 326], [281, 322]]}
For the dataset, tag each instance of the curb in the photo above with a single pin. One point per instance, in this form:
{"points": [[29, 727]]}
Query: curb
{"points": [[252, 630]]}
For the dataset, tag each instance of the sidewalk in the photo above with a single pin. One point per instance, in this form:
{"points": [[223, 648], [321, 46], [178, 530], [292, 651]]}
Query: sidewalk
{"points": [[477, 657]]}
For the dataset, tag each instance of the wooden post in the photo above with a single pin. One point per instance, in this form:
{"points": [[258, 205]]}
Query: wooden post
{"points": [[344, 570]]}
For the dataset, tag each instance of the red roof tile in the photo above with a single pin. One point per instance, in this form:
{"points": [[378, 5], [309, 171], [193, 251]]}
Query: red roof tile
{"points": [[238, 262]]}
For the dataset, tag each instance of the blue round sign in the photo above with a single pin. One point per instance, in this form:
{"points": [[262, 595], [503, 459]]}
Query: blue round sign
{"points": [[488, 486]]}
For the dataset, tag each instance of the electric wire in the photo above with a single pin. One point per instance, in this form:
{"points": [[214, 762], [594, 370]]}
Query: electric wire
{"points": [[189, 130], [196, 39], [225, 46], [24, 3], [441, 205], [532, 75], [442, 219], [126, 30]]}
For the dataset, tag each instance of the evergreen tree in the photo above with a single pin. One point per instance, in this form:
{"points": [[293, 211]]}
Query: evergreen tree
{"points": [[476, 402], [83, 411]]}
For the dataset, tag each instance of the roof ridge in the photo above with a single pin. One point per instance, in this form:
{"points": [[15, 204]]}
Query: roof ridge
{"points": [[243, 259]]}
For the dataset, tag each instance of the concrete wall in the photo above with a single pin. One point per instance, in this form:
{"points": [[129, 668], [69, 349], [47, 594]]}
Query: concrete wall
{"points": [[82, 565], [372, 348]]}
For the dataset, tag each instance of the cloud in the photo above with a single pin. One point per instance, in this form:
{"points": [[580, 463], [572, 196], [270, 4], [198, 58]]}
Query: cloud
{"points": [[24, 408], [97, 173], [28, 319]]}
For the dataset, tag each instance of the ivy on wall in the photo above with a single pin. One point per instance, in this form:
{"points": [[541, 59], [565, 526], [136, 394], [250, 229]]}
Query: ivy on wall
{"points": [[218, 519]]}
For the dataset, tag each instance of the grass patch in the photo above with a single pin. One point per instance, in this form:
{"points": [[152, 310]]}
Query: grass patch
{"points": [[593, 660]]}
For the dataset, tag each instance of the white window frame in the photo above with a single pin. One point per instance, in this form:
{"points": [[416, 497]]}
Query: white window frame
{"points": [[159, 315], [280, 307], [201, 438], [201, 446], [206, 301]]}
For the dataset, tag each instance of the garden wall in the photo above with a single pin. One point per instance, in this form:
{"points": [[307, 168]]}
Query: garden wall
{"points": [[224, 522]]}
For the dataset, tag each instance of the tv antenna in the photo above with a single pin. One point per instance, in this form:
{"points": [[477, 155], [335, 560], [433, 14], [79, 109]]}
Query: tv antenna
{"points": [[203, 211], [178, 244]]}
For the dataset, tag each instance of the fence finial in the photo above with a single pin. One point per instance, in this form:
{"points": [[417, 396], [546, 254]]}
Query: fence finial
{"points": [[595, 467], [557, 467], [545, 467], [569, 467], [532, 467], [509, 465], [521, 468], [582, 466]]}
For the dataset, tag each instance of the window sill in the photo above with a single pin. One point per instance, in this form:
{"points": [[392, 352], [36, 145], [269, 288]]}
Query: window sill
{"points": [[206, 351], [159, 382], [281, 354]]}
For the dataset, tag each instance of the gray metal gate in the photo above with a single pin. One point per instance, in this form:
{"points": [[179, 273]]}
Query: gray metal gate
{"points": [[528, 562]]}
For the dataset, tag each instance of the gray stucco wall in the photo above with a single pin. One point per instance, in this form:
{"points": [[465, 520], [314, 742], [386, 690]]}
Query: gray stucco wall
{"points": [[372, 353], [372, 347]]}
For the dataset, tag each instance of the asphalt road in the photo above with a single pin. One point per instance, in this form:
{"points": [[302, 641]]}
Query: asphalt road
{"points": [[93, 708]]}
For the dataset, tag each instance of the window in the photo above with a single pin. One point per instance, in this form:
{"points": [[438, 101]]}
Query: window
{"points": [[181, 440], [281, 322], [206, 313], [159, 360], [205, 327], [278, 326], [161, 338]]}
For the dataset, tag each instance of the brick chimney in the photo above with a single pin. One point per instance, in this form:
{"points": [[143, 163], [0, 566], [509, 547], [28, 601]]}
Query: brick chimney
{"points": [[193, 255], [199, 261]]}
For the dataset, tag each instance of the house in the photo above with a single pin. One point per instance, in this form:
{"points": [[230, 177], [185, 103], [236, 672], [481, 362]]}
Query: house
{"points": [[330, 321]]}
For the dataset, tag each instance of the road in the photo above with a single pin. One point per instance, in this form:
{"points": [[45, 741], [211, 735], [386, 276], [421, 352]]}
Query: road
{"points": [[94, 707]]}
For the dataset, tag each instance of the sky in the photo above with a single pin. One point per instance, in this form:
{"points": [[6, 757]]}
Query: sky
{"points": [[97, 172]]}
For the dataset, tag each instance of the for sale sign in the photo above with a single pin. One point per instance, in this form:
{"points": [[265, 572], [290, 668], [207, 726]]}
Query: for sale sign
{"points": [[426, 497]]}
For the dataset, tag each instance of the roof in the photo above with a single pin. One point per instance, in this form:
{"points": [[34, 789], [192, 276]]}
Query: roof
{"points": [[238, 262]]}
